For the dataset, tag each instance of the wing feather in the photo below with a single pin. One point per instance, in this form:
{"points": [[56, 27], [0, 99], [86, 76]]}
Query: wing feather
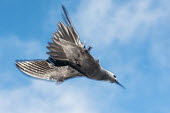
{"points": [[42, 69], [68, 33], [60, 49]]}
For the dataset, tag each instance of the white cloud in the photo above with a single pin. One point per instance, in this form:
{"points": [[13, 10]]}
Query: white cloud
{"points": [[160, 54], [101, 22], [14, 46], [45, 97], [97, 21]]}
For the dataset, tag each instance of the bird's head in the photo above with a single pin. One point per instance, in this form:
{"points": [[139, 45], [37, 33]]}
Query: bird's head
{"points": [[113, 79]]}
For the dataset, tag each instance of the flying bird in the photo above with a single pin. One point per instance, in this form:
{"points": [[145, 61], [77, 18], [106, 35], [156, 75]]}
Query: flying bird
{"points": [[68, 58]]}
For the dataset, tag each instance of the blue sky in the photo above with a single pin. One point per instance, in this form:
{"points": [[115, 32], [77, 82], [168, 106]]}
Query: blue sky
{"points": [[131, 39]]}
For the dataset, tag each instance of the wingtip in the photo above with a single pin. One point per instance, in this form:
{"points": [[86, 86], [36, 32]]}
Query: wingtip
{"points": [[63, 7], [66, 15], [17, 64]]}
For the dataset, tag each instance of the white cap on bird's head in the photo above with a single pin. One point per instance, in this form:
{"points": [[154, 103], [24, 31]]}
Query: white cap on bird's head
{"points": [[113, 79]]}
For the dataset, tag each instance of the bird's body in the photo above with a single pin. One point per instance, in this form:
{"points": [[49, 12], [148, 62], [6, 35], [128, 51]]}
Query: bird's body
{"points": [[68, 58]]}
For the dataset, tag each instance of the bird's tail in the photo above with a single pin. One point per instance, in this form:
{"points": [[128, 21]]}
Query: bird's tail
{"points": [[37, 68]]}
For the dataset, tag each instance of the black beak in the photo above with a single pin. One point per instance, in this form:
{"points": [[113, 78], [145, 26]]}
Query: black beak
{"points": [[119, 84]]}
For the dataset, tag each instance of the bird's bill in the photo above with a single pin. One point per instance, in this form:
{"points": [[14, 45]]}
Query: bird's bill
{"points": [[119, 84]]}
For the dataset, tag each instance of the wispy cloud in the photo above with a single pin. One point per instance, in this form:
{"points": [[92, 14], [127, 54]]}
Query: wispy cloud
{"points": [[109, 20], [103, 23], [44, 97], [12, 44], [159, 52]]}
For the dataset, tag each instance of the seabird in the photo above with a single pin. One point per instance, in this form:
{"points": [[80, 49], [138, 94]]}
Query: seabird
{"points": [[68, 58]]}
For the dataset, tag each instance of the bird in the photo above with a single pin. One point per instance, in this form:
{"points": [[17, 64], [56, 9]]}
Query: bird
{"points": [[68, 58]]}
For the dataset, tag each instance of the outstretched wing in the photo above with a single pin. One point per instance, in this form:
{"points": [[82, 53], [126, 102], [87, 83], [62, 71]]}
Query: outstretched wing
{"points": [[68, 33], [66, 45], [42, 69], [67, 48]]}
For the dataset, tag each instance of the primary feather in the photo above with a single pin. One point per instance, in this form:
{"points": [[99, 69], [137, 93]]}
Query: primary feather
{"points": [[42, 69]]}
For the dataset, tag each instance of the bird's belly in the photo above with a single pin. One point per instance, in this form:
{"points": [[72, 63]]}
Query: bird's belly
{"points": [[98, 77], [92, 72]]}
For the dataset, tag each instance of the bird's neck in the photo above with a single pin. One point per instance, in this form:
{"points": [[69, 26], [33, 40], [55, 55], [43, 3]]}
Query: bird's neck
{"points": [[102, 74]]}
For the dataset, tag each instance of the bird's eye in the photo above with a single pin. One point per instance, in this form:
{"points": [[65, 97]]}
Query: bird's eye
{"points": [[114, 76]]}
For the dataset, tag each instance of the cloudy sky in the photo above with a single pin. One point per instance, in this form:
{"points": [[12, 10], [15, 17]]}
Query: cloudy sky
{"points": [[130, 37]]}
